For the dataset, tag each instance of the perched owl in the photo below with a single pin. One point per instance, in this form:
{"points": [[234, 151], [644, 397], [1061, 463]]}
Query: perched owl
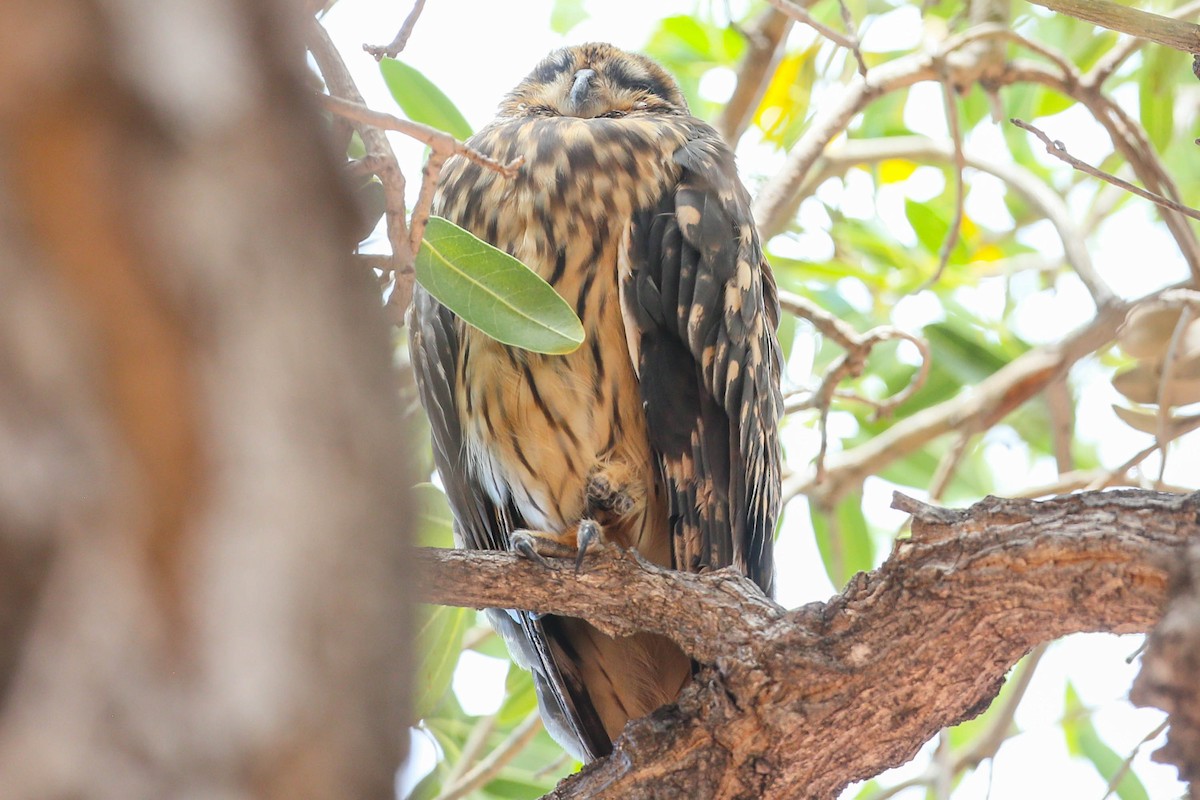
{"points": [[660, 432]]}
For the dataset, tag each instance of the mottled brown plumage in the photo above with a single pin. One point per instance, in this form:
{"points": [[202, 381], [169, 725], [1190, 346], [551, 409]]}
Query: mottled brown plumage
{"points": [[661, 428]]}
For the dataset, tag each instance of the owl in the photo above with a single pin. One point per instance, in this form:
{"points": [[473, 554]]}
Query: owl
{"points": [[660, 432]]}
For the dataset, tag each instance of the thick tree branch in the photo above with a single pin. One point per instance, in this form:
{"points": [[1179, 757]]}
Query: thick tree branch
{"points": [[803, 702], [1174, 33]]}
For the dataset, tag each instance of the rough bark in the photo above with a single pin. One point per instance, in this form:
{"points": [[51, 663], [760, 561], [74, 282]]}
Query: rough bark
{"points": [[1170, 676], [801, 703], [201, 515]]}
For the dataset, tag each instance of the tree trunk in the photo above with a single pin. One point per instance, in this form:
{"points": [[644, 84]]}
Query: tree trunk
{"points": [[202, 481]]}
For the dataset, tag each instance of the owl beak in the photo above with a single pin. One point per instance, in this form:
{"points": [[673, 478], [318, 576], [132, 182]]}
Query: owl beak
{"points": [[580, 96]]}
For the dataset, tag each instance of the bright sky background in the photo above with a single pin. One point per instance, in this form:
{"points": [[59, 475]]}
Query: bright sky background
{"points": [[476, 50]]}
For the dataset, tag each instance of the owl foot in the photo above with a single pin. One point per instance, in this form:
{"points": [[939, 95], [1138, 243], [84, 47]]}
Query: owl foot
{"points": [[605, 496], [540, 545]]}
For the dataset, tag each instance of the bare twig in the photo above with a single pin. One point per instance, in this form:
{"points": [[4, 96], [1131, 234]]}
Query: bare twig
{"points": [[397, 45], [341, 85], [1059, 151], [1061, 409], [442, 145], [852, 33], [1130, 140], [1121, 772], [826, 324], [436, 139], [947, 466], [952, 235], [851, 365], [471, 749], [1173, 33], [489, 767], [847, 40], [1164, 387]]}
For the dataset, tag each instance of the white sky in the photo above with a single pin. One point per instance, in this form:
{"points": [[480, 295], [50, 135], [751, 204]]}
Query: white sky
{"points": [[475, 50]]}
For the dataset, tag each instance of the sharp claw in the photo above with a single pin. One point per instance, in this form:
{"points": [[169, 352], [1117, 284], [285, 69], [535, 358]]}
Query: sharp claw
{"points": [[523, 547], [589, 532]]}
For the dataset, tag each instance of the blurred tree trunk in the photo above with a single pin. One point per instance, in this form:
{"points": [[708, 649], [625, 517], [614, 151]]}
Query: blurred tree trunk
{"points": [[202, 488]]}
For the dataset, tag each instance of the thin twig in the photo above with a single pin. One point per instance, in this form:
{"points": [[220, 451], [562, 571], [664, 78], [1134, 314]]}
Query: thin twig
{"points": [[947, 466], [847, 40], [1129, 139], [1128, 762], [1164, 386], [436, 139], [1059, 151], [826, 324], [498, 759], [397, 45], [341, 85], [471, 749], [851, 365], [442, 145], [952, 236], [852, 33]]}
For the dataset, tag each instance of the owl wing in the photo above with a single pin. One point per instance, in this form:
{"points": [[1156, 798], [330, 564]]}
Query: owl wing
{"points": [[482, 525], [701, 311]]}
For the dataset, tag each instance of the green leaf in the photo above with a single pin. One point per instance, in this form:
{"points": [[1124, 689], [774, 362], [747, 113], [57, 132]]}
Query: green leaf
{"points": [[439, 641], [494, 292], [565, 15], [421, 100], [1084, 741], [1156, 95], [435, 523], [520, 698], [843, 540]]}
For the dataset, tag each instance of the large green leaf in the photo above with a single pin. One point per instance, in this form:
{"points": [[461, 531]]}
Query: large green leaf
{"points": [[1156, 94], [439, 641], [495, 292], [421, 100], [843, 540]]}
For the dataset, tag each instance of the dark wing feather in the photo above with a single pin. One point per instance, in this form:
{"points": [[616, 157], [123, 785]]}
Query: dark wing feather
{"points": [[704, 311], [480, 524]]}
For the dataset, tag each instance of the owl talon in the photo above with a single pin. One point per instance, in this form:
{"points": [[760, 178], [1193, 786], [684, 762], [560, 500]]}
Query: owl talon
{"points": [[588, 535], [525, 544]]}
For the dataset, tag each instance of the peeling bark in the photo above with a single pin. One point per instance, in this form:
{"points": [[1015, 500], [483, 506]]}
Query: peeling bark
{"points": [[802, 703]]}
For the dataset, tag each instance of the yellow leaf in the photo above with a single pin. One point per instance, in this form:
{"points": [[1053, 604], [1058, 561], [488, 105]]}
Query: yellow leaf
{"points": [[894, 170], [785, 95], [989, 252]]}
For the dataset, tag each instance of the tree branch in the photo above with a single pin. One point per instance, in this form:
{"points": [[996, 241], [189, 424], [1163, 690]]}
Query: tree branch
{"points": [[393, 48], [1059, 151], [1169, 32], [803, 702], [764, 41]]}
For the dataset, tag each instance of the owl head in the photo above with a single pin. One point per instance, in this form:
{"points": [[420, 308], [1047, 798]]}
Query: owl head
{"points": [[594, 80]]}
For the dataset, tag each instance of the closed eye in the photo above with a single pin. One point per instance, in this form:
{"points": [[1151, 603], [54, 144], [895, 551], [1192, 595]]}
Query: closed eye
{"points": [[614, 114]]}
